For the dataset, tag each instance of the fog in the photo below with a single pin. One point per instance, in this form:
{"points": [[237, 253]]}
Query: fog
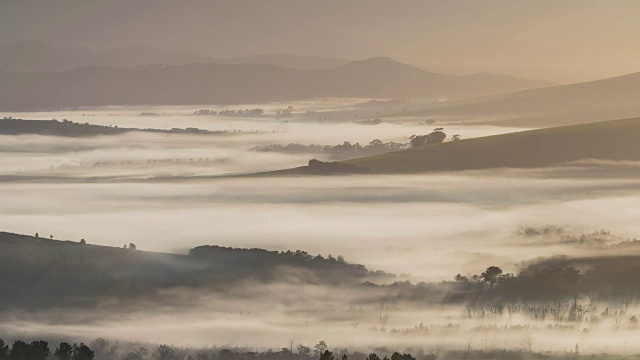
{"points": [[261, 317], [201, 155], [439, 225], [164, 193], [247, 180]]}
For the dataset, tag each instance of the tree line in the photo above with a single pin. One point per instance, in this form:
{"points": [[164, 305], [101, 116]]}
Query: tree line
{"points": [[39, 350], [348, 150]]}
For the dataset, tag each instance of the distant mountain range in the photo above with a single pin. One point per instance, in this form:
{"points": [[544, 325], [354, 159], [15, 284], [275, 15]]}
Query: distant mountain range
{"points": [[38, 57], [214, 83], [287, 61]]}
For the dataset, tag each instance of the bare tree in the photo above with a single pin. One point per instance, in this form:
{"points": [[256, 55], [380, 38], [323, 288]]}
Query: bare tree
{"points": [[163, 352]]}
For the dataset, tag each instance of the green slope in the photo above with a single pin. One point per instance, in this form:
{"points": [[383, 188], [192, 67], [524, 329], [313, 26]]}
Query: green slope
{"points": [[609, 140]]}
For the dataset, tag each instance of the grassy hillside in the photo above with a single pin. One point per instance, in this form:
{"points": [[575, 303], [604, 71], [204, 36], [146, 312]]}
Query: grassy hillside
{"points": [[42, 272], [611, 98], [609, 140]]}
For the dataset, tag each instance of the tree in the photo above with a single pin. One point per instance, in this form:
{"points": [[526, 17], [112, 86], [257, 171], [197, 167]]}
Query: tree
{"points": [[83, 352], [398, 356], [456, 137], [137, 354], [326, 355], [491, 275], [64, 351], [376, 142], [162, 352], [304, 351], [37, 235], [4, 350], [19, 351], [132, 246], [320, 347], [373, 356], [83, 241], [225, 354], [527, 343], [37, 350], [435, 137]]}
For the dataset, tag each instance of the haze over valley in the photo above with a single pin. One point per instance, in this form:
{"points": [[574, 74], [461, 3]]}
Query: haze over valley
{"points": [[211, 180]]}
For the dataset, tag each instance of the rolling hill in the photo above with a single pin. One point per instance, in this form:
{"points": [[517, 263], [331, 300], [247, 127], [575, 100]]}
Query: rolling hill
{"points": [[606, 99], [609, 140], [235, 84], [43, 272]]}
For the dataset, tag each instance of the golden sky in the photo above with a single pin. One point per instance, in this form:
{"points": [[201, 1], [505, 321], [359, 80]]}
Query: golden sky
{"points": [[558, 40]]}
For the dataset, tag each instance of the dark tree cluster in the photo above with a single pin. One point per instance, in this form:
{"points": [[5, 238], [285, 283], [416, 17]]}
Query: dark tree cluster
{"points": [[260, 261], [342, 151], [39, 350], [375, 147], [435, 137], [369, 122], [348, 150], [236, 113], [69, 128], [285, 112], [230, 113]]}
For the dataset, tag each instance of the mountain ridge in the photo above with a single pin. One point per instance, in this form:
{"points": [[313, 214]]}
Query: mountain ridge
{"points": [[212, 83]]}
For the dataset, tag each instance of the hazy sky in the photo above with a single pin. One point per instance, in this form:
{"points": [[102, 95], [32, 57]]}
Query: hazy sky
{"points": [[560, 40]]}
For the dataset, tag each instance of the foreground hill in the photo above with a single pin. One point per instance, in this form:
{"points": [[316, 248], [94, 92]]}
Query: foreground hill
{"points": [[43, 272], [243, 83], [611, 98], [609, 140]]}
